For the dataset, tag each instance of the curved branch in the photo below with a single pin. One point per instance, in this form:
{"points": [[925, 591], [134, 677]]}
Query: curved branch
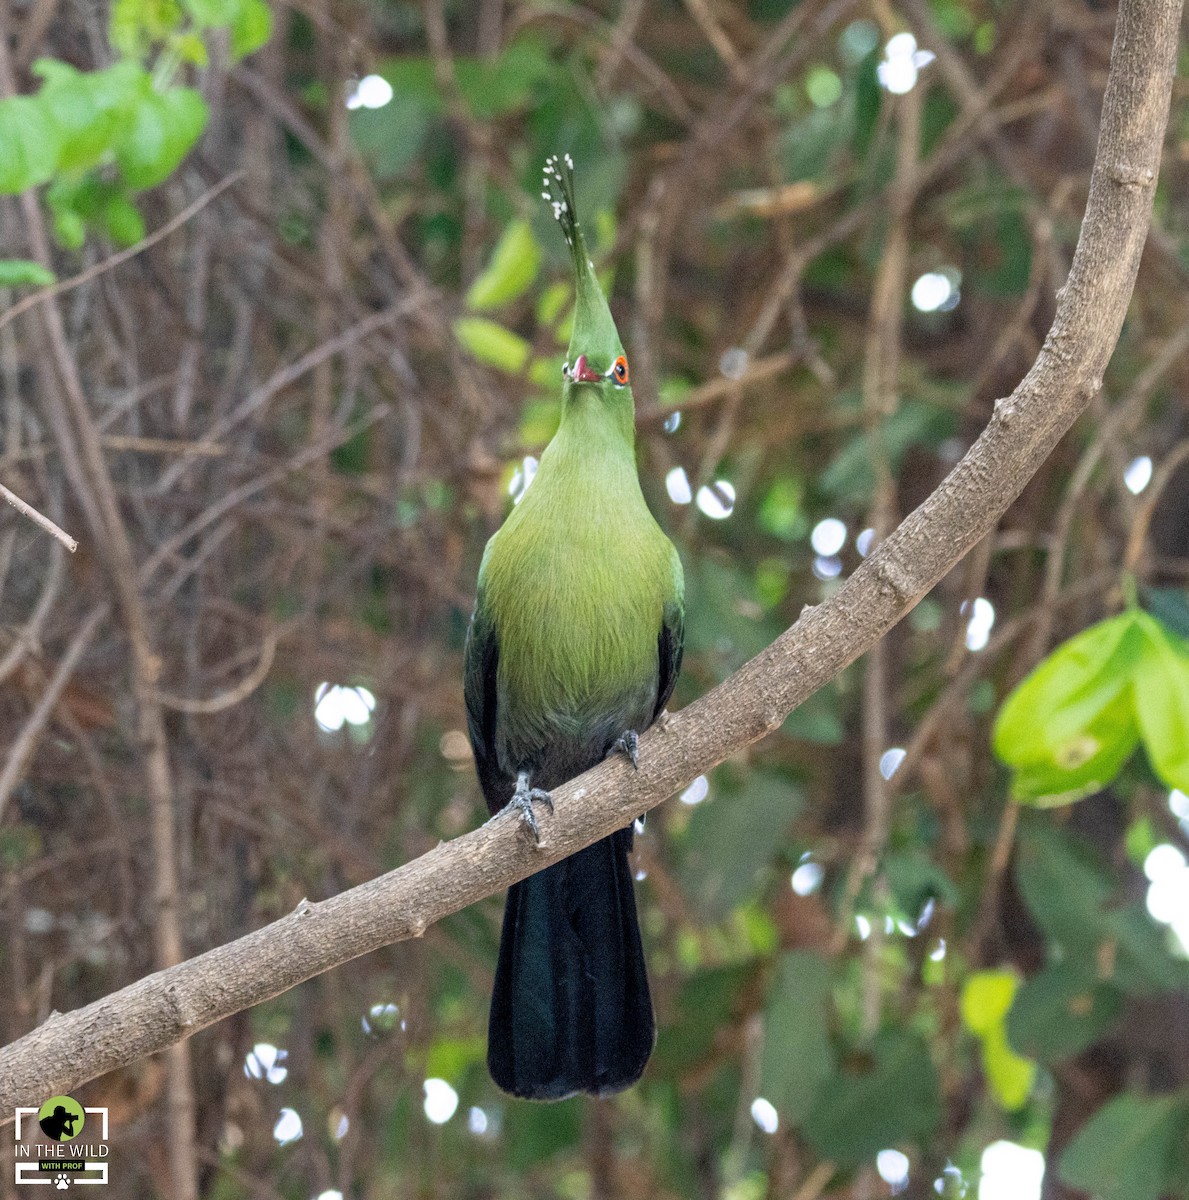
{"points": [[164, 1008]]}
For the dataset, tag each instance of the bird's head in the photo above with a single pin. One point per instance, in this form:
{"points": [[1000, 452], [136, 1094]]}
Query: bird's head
{"points": [[595, 356]]}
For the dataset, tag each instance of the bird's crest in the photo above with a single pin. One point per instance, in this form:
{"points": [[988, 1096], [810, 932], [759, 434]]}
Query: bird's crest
{"points": [[558, 192], [594, 328]]}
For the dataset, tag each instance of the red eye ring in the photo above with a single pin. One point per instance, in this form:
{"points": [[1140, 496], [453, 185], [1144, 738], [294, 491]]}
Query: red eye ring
{"points": [[620, 370]]}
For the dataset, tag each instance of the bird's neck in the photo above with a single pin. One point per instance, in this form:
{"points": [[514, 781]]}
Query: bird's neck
{"points": [[593, 441], [587, 474]]}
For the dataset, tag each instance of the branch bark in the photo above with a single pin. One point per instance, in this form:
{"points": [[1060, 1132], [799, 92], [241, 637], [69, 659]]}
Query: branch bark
{"points": [[164, 1008]]}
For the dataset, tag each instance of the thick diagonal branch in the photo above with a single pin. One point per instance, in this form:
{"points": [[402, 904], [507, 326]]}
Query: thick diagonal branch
{"points": [[166, 1007]]}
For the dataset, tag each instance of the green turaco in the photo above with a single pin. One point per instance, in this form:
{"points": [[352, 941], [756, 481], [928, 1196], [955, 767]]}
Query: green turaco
{"points": [[572, 651]]}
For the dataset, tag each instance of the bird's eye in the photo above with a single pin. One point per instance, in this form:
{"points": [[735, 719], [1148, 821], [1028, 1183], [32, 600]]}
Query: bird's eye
{"points": [[620, 370], [565, 370]]}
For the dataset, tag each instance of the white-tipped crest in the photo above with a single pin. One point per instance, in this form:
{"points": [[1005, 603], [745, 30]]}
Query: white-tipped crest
{"points": [[558, 193]]}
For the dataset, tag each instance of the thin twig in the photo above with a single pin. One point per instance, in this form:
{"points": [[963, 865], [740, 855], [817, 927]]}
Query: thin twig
{"points": [[231, 696], [1143, 518], [20, 752], [812, 1188], [37, 518], [28, 636], [1116, 421], [122, 256]]}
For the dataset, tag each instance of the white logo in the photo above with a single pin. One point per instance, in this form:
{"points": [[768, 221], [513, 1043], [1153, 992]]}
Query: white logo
{"points": [[65, 1164]]}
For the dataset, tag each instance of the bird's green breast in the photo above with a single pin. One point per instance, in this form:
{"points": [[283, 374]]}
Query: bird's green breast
{"points": [[576, 583]]}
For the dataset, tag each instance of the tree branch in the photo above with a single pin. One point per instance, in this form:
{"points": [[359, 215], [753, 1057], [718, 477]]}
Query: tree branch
{"points": [[163, 1008]]}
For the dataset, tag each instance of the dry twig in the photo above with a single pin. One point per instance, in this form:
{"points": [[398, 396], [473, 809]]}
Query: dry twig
{"points": [[37, 518]]}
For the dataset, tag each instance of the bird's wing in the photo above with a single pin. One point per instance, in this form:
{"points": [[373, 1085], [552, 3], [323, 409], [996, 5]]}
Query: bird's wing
{"points": [[670, 644], [480, 665]]}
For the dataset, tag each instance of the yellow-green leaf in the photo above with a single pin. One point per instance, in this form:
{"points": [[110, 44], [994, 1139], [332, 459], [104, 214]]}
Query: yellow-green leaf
{"points": [[511, 271], [986, 1001], [492, 344], [539, 421], [553, 300], [192, 49], [1070, 725], [251, 27], [1009, 1075], [1162, 701], [28, 144], [18, 272], [160, 133], [546, 372]]}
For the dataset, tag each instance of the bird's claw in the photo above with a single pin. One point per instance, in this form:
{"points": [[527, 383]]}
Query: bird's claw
{"points": [[629, 744], [522, 802]]}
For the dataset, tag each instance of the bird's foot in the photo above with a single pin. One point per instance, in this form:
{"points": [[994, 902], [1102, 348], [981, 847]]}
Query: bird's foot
{"points": [[629, 744], [522, 802]]}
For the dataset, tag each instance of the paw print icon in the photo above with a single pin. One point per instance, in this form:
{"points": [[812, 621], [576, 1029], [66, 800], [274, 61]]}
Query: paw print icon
{"points": [[61, 1182]]}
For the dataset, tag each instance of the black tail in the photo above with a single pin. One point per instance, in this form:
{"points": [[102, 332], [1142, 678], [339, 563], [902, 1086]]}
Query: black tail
{"points": [[570, 1011]]}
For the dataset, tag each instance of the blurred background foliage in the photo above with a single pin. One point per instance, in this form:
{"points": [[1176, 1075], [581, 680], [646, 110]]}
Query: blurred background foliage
{"points": [[832, 233]]}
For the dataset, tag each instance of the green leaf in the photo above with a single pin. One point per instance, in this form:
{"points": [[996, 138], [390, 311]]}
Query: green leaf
{"points": [[135, 25], [850, 475], [18, 272], [894, 1098], [1140, 839], [1009, 1075], [706, 1002], [1064, 889], [733, 836], [1129, 1150], [122, 221], [494, 89], [721, 625], [535, 1132], [492, 344], [1142, 964], [103, 204], [28, 144], [1007, 257], [162, 129], [449, 1057], [545, 372], [1069, 726], [915, 879], [986, 1000], [192, 49], [781, 512], [392, 137], [211, 12], [1068, 893], [124, 27], [1162, 701], [251, 28], [511, 271], [540, 418], [552, 301], [70, 229], [88, 109], [1059, 1012], [797, 1057]]}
